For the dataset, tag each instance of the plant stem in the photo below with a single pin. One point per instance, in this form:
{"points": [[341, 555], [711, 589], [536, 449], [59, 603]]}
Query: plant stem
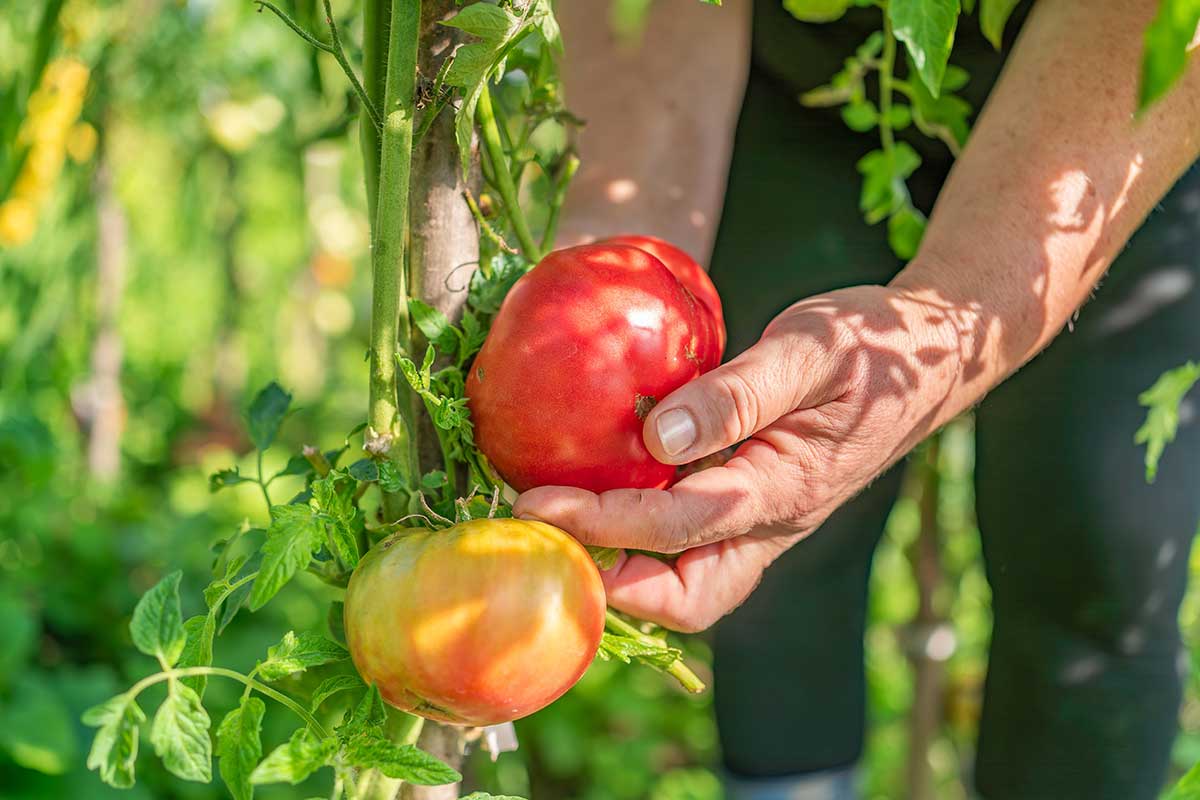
{"points": [[490, 133], [561, 181], [678, 670], [188, 672], [392, 417], [376, 19], [886, 72], [261, 484], [369, 105]]}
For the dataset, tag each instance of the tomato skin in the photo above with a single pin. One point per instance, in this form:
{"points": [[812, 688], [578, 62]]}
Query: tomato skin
{"points": [[484, 622], [695, 280], [582, 348]]}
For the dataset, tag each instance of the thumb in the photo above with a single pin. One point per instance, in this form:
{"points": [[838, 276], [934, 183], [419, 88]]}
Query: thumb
{"points": [[736, 400]]}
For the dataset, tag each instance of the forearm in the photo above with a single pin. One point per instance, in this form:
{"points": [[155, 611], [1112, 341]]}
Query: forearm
{"points": [[1057, 176], [659, 119]]}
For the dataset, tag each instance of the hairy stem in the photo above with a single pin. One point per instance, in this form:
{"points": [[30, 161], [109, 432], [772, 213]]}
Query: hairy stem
{"points": [[490, 133], [887, 68], [392, 417], [261, 688], [376, 21], [678, 670]]}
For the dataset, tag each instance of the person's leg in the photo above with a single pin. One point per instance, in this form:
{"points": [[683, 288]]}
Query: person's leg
{"points": [[1087, 562], [789, 683]]}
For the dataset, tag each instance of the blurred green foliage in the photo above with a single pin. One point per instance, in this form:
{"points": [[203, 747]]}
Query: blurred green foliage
{"points": [[222, 142]]}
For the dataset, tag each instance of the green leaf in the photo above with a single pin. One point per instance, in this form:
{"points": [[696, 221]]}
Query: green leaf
{"points": [[295, 535], [179, 734], [905, 229], [1162, 421], [1168, 38], [296, 465], [334, 496], [266, 414], [605, 557], [860, 116], [223, 479], [298, 653], [927, 29], [627, 649], [816, 10], [434, 325], [331, 686], [364, 470], [484, 21], [368, 714], [294, 761], [883, 189], [114, 750], [239, 746], [1188, 787], [156, 626], [233, 604], [198, 652], [489, 287], [900, 117], [993, 16], [372, 750], [38, 731], [944, 117]]}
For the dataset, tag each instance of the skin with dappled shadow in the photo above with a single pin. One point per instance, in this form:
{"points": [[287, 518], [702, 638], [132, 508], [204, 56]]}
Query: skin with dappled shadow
{"points": [[1055, 179]]}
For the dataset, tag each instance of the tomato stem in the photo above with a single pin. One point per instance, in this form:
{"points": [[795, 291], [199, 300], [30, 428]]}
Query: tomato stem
{"points": [[391, 418], [490, 134], [678, 670]]}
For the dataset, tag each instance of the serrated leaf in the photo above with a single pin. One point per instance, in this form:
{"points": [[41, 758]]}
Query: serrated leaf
{"points": [[295, 760], [239, 746], [816, 10], [946, 116], [295, 535], [1168, 39], [1162, 420], [224, 478], [367, 714], [993, 16], [334, 496], [233, 604], [927, 29], [266, 414], [179, 734], [198, 652], [627, 649], [298, 653], [114, 750], [331, 686], [157, 626], [402, 762]]}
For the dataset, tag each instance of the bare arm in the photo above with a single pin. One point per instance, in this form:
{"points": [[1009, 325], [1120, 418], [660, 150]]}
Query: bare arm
{"points": [[1056, 177], [660, 117]]}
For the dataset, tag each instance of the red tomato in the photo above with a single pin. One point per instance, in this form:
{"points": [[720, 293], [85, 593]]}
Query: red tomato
{"points": [[481, 623], [583, 347], [695, 280]]}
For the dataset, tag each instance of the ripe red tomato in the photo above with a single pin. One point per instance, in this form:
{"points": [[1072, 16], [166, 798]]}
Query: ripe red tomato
{"points": [[583, 347], [695, 280], [481, 623]]}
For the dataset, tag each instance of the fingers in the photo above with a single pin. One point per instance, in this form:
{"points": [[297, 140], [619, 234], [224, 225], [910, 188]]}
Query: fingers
{"points": [[705, 507], [734, 401], [700, 587]]}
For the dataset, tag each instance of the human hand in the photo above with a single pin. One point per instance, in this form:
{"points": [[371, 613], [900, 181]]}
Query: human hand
{"points": [[839, 387]]}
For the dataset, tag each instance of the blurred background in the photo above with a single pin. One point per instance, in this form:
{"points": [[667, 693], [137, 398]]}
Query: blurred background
{"points": [[182, 220]]}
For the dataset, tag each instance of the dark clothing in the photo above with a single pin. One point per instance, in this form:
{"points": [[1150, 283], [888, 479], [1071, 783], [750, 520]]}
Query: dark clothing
{"points": [[1086, 561]]}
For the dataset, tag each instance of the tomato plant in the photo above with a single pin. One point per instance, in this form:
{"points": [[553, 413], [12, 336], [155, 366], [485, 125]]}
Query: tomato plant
{"points": [[584, 346]]}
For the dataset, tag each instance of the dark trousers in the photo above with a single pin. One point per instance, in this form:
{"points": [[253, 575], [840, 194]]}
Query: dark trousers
{"points": [[1087, 562]]}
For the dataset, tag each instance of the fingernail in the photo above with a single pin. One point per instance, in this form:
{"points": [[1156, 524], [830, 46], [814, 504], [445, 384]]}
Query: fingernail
{"points": [[676, 430]]}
